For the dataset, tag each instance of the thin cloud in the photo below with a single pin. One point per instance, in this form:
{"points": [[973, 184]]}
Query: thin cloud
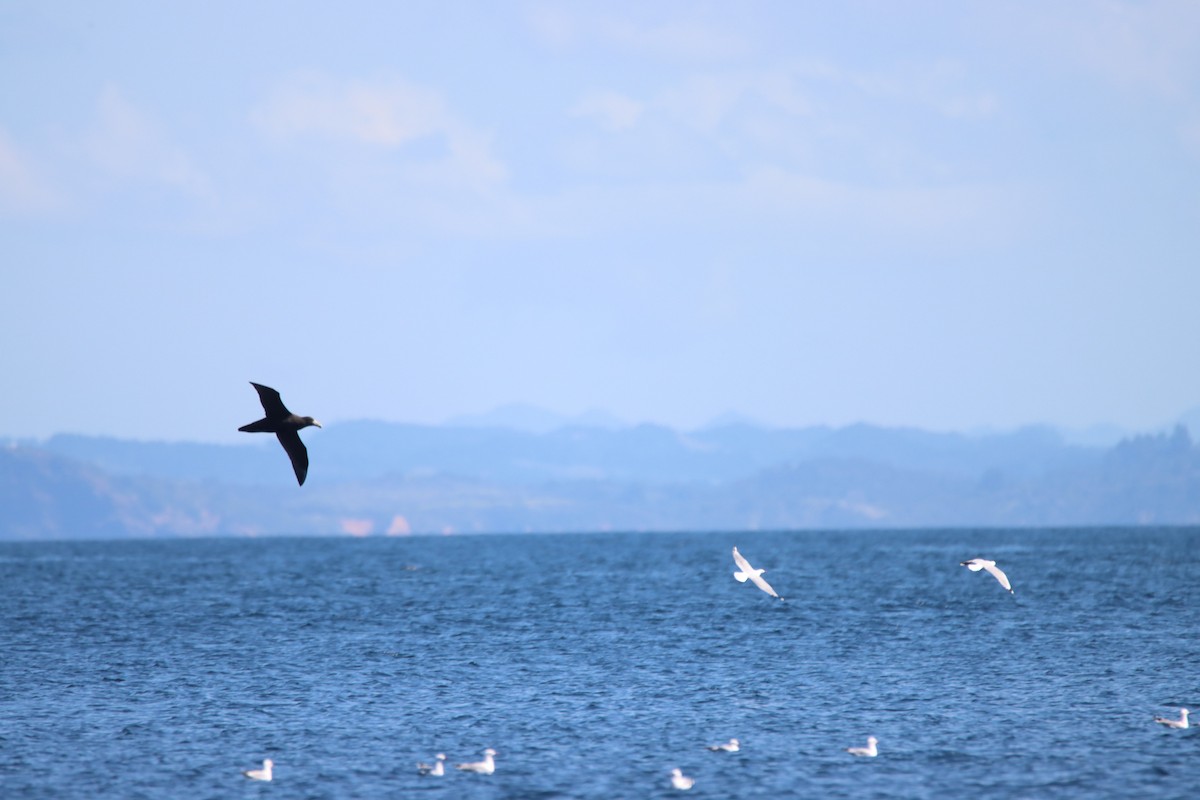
{"points": [[22, 187], [391, 116], [679, 38], [942, 86], [387, 116], [1142, 46], [1189, 134], [881, 126], [811, 211], [129, 144], [707, 101], [612, 110], [963, 214]]}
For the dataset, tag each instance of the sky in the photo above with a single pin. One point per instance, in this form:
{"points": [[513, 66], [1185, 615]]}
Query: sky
{"points": [[942, 215]]}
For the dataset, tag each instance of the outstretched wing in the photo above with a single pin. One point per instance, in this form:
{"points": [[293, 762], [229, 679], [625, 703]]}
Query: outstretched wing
{"points": [[741, 562], [760, 583], [296, 451], [271, 403], [998, 575]]}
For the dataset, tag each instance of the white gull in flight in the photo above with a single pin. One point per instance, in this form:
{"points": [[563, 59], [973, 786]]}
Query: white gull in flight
{"points": [[732, 746], [263, 774], [745, 571], [976, 564], [485, 767], [681, 781], [1182, 722], [436, 768], [869, 750]]}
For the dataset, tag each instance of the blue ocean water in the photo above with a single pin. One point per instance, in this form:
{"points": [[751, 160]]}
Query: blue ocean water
{"points": [[595, 663]]}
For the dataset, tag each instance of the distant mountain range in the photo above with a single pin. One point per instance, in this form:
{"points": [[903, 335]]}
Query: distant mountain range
{"points": [[534, 419], [380, 478], [652, 454]]}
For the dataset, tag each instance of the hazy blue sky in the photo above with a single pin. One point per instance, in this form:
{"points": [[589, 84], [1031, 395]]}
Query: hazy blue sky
{"points": [[945, 215]]}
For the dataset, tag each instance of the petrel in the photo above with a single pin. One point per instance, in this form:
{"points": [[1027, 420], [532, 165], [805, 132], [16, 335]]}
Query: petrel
{"points": [[285, 425]]}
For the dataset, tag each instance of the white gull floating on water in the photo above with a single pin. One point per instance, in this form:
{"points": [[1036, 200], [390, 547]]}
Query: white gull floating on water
{"points": [[869, 751], [732, 746], [681, 781], [746, 572], [436, 768], [485, 767], [263, 774], [1182, 722], [976, 564]]}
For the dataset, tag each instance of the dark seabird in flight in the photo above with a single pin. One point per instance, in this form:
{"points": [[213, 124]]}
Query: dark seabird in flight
{"points": [[285, 425]]}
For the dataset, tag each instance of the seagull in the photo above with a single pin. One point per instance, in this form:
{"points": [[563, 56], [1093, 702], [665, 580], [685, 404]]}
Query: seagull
{"points": [[436, 768], [732, 746], [976, 564], [755, 575], [285, 425], [868, 751], [1182, 722], [681, 781], [485, 767], [263, 774]]}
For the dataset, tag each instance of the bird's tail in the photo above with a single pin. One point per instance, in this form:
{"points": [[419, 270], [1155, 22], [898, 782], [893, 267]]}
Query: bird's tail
{"points": [[741, 577]]}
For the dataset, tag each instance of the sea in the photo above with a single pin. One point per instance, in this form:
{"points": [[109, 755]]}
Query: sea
{"points": [[595, 663]]}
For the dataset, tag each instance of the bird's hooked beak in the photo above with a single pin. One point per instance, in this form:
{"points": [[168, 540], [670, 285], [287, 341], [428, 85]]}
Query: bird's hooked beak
{"points": [[317, 424]]}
